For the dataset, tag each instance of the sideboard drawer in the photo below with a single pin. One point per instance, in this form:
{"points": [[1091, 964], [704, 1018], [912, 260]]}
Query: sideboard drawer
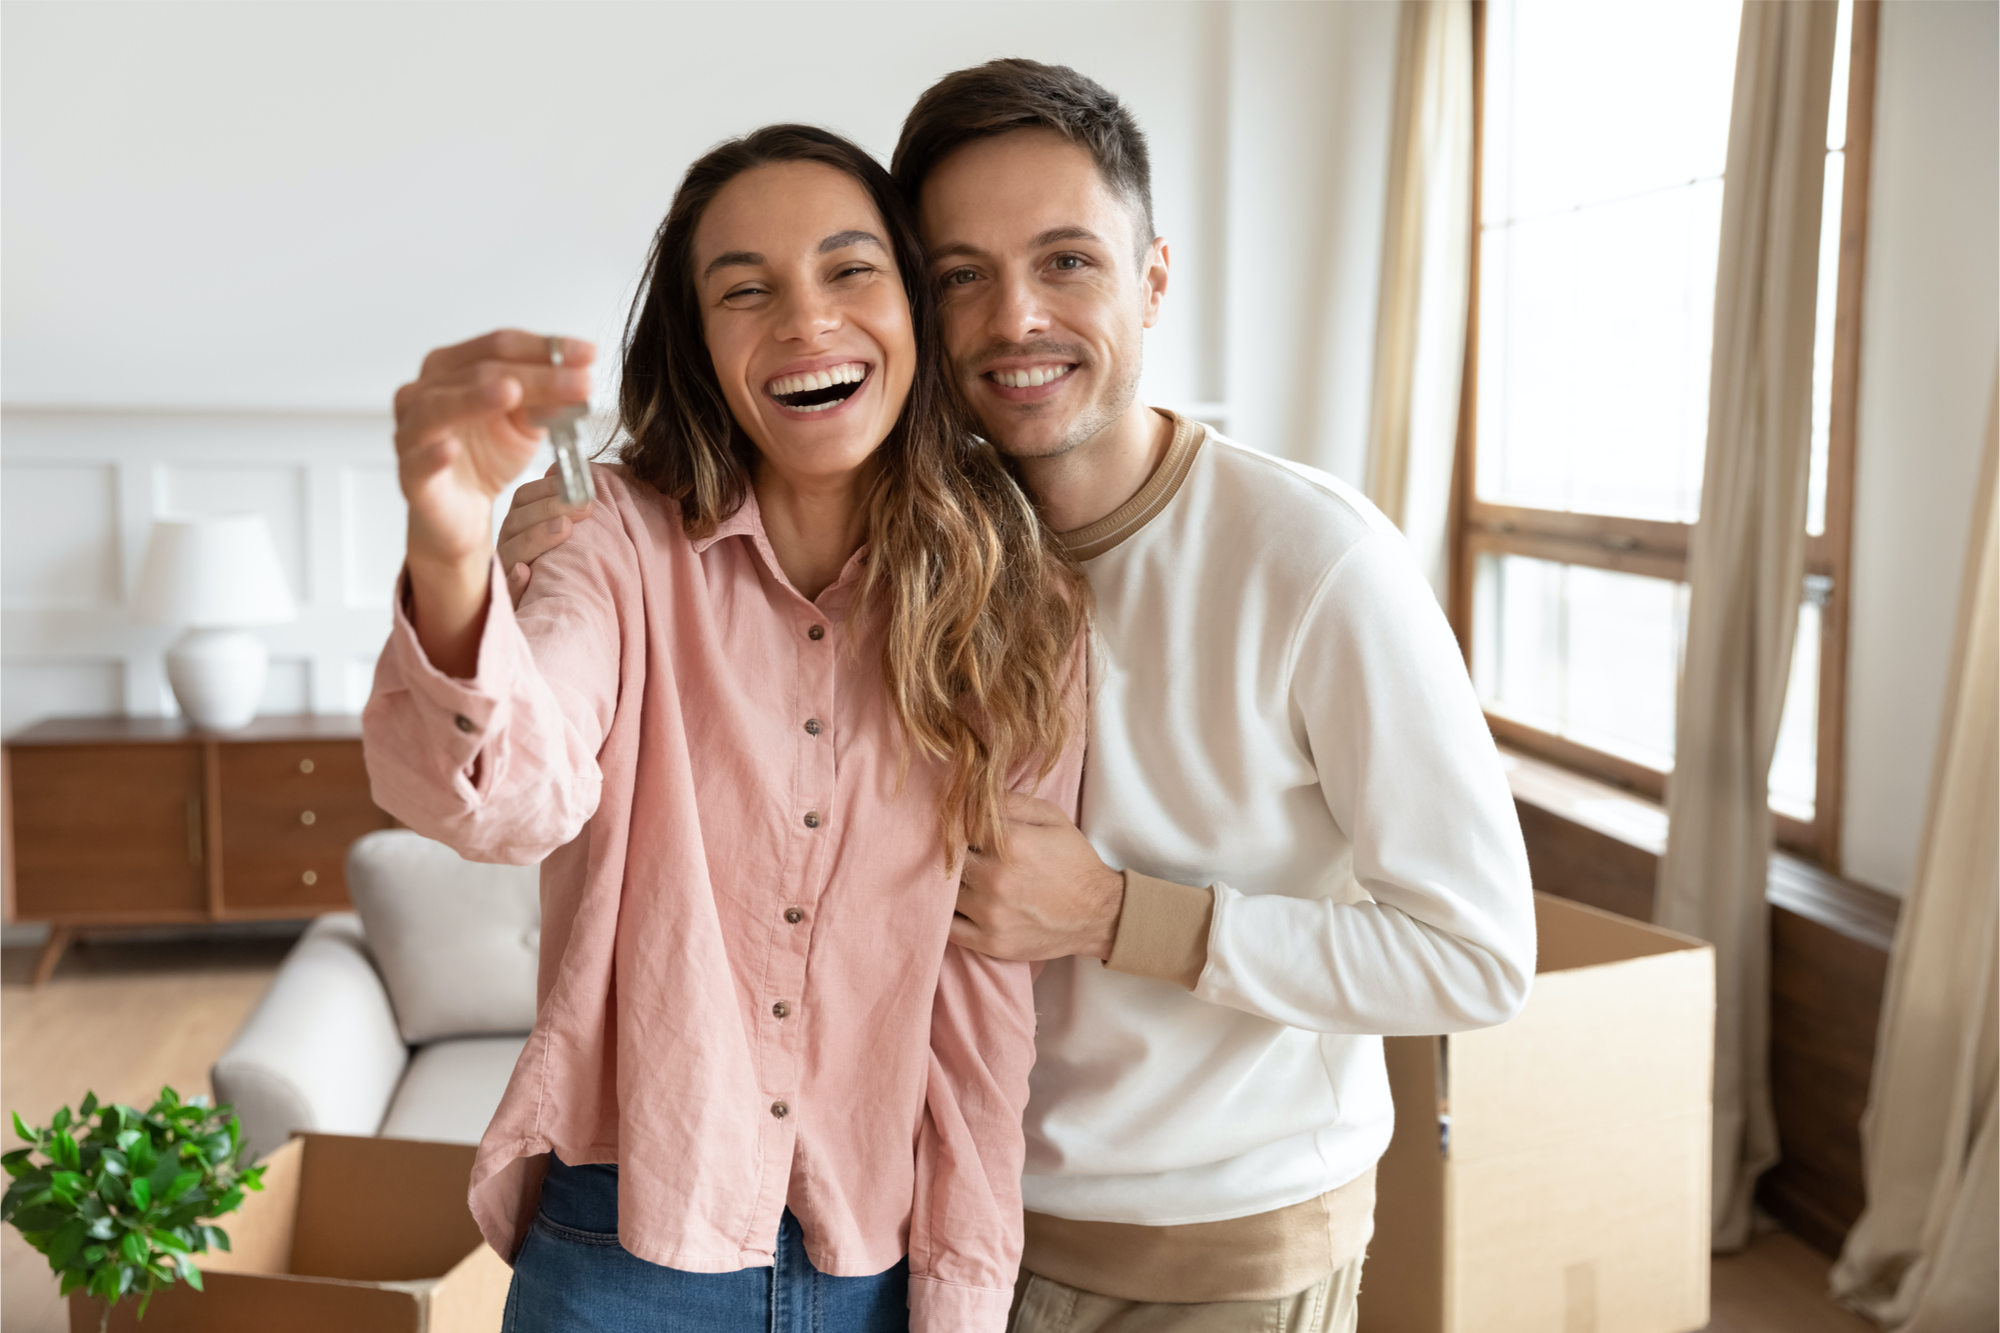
{"points": [[289, 811]]}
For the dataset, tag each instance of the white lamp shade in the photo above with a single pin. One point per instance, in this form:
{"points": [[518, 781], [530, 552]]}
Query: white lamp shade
{"points": [[213, 572]]}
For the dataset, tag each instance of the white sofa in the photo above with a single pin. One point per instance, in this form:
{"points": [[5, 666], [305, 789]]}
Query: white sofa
{"points": [[402, 1018]]}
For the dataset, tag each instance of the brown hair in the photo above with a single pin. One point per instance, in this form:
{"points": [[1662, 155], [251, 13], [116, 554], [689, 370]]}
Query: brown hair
{"points": [[1020, 94], [984, 604]]}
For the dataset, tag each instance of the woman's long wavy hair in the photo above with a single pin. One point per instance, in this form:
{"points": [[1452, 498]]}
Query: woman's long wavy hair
{"points": [[984, 605]]}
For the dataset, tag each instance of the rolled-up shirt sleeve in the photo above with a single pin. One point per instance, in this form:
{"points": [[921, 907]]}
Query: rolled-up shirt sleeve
{"points": [[503, 767]]}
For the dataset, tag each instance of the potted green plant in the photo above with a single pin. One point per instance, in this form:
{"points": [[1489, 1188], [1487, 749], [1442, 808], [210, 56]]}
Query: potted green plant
{"points": [[121, 1206]]}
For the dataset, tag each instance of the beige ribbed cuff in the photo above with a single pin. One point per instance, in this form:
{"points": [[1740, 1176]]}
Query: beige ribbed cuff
{"points": [[1162, 930]]}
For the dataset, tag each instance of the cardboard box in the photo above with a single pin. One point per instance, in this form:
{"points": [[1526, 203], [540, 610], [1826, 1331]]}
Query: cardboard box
{"points": [[348, 1235], [1552, 1175]]}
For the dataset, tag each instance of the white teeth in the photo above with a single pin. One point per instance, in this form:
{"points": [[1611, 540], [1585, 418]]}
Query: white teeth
{"points": [[853, 372], [1029, 379]]}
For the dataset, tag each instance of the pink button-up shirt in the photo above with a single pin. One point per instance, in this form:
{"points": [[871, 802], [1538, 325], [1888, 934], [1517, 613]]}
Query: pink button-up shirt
{"points": [[746, 995]]}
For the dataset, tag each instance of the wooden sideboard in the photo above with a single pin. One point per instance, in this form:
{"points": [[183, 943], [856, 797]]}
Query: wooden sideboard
{"points": [[149, 821]]}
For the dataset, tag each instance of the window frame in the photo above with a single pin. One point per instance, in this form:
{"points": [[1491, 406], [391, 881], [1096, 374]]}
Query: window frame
{"points": [[1659, 549]]}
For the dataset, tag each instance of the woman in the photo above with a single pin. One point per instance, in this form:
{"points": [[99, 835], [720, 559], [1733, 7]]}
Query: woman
{"points": [[805, 639]]}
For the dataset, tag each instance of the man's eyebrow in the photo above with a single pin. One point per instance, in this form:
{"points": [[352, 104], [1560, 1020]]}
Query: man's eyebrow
{"points": [[840, 240], [732, 259], [1053, 236]]}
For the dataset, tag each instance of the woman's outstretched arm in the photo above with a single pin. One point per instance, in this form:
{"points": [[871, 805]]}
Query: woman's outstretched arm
{"points": [[482, 730]]}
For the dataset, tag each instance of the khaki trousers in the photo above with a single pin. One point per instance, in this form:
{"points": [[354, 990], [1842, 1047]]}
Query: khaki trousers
{"points": [[1327, 1306]]}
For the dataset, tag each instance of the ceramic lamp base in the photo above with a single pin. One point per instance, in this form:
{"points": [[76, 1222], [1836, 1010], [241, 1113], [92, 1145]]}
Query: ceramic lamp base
{"points": [[218, 676]]}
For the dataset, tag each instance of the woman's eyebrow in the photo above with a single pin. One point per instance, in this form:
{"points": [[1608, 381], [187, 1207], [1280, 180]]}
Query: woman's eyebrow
{"points": [[840, 240], [732, 259]]}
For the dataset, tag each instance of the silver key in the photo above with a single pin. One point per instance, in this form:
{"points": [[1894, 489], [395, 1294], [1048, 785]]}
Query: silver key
{"points": [[573, 471]]}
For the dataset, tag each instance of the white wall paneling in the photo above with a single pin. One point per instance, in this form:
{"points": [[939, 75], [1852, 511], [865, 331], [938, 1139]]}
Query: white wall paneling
{"points": [[79, 491]]}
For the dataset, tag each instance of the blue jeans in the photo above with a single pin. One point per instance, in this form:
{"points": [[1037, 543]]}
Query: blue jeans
{"points": [[572, 1276]]}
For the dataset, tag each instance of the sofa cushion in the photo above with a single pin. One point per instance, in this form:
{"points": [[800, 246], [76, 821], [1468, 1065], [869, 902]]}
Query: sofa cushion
{"points": [[456, 942], [451, 1089]]}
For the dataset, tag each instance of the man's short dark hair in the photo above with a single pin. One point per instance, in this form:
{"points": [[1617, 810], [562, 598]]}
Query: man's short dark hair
{"points": [[1017, 94]]}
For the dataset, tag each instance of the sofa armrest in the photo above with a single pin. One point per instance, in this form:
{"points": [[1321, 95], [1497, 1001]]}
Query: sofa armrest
{"points": [[321, 1051]]}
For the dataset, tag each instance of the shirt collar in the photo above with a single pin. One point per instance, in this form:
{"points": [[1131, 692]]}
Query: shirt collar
{"points": [[748, 521]]}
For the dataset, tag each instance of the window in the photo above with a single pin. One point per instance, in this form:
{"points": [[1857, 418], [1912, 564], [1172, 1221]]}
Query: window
{"points": [[1602, 136]]}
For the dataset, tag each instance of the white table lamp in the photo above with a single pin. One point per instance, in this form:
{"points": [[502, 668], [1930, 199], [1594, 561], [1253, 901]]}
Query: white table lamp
{"points": [[216, 576]]}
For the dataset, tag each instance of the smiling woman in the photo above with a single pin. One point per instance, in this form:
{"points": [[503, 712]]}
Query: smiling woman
{"points": [[788, 662]]}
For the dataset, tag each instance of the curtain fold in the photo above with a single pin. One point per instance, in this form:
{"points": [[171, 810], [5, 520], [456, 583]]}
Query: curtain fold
{"points": [[1746, 564], [1426, 262], [1925, 1255]]}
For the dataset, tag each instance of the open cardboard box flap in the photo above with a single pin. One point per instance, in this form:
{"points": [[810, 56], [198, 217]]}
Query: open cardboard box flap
{"points": [[347, 1234]]}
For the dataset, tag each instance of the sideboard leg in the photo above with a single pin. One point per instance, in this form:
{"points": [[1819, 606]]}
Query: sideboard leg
{"points": [[60, 938]]}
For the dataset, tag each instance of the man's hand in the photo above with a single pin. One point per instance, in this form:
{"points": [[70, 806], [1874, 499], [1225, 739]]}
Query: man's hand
{"points": [[537, 522], [1052, 897]]}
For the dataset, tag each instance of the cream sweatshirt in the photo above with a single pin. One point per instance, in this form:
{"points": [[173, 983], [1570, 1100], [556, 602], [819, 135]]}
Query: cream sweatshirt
{"points": [[1279, 711]]}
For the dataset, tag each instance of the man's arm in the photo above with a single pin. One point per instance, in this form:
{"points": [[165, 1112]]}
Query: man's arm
{"points": [[1408, 771]]}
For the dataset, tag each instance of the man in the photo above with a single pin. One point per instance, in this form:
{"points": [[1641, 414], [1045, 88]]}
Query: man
{"points": [[1296, 837]]}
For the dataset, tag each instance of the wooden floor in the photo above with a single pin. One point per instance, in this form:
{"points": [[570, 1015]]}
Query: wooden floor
{"points": [[121, 1019]]}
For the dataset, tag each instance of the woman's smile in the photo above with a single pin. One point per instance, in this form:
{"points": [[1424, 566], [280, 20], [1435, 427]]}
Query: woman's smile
{"points": [[809, 389]]}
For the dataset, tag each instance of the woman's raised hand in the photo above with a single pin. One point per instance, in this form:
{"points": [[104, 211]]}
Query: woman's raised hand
{"points": [[465, 428]]}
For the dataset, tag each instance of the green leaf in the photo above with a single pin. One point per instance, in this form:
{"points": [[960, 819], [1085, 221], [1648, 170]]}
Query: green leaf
{"points": [[228, 1203], [218, 1239], [127, 1138], [62, 1148], [69, 1238], [104, 1283], [94, 1254], [21, 1129], [61, 1120], [191, 1273], [142, 1192], [114, 1162], [40, 1218], [167, 1240], [88, 1107], [68, 1183], [133, 1247], [74, 1278]]}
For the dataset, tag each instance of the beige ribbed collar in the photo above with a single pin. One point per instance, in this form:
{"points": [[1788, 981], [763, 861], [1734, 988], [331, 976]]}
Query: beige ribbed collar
{"points": [[1094, 539]]}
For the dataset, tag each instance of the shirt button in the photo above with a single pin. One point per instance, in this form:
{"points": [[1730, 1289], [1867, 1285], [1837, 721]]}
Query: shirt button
{"points": [[462, 722], [812, 819], [816, 633], [780, 1110], [813, 728], [781, 1010], [794, 915]]}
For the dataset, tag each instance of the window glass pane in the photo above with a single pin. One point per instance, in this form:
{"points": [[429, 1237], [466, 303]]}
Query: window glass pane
{"points": [[1601, 210], [1594, 329], [1823, 313], [1795, 767], [1586, 654], [1588, 100]]}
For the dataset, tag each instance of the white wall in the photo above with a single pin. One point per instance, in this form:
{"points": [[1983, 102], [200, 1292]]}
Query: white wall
{"points": [[1930, 334], [232, 229]]}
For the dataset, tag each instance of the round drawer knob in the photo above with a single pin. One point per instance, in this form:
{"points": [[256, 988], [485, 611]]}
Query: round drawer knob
{"points": [[307, 817], [305, 765], [310, 878]]}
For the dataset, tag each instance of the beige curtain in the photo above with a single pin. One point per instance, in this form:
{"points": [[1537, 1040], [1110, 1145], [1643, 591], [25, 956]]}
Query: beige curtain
{"points": [[1925, 1256], [1426, 258], [1746, 565]]}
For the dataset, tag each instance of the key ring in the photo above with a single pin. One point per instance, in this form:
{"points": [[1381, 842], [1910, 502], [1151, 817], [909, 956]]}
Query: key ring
{"points": [[555, 351]]}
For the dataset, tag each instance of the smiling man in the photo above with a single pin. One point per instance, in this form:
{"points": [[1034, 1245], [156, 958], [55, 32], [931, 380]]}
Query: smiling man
{"points": [[1297, 836]]}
